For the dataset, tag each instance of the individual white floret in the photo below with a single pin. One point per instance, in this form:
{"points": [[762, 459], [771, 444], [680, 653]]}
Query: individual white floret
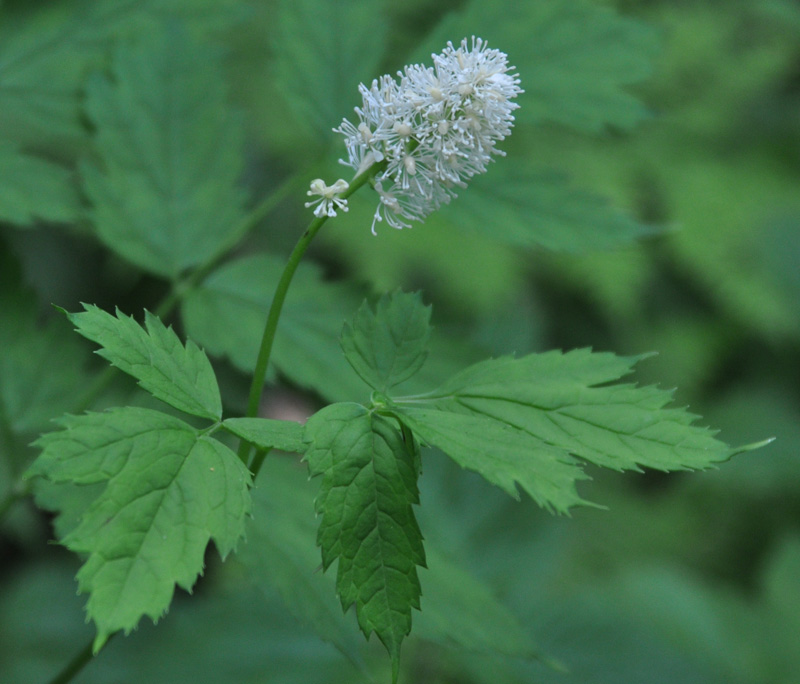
{"points": [[329, 201]]}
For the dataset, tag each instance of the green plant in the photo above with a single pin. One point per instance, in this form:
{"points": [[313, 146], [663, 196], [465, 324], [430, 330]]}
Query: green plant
{"points": [[141, 490]]}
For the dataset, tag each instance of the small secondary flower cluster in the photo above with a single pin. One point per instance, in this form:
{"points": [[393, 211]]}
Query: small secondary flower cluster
{"points": [[329, 200], [433, 130]]}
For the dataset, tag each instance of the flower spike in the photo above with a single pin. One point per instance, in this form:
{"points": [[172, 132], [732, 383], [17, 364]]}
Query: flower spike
{"points": [[432, 127]]}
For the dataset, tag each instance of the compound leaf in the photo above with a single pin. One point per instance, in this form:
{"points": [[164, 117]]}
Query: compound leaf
{"points": [[166, 197], [267, 433], [169, 491], [541, 408], [33, 188], [503, 454], [388, 345], [369, 483], [180, 376]]}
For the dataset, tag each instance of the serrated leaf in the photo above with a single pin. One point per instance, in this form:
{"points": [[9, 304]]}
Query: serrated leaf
{"points": [[503, 454], [267, 433], [180, 376], [562, 399], [389, 345], [322, 50], [524, 206], [281, 554], [574, 58], [166, 195], [170, 490], [369, 483], [563, 402], [226, 315], [32, 188]]}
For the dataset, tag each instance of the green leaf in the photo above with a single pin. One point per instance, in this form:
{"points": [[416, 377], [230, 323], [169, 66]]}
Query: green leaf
{"points": [[369, 483], [563, 402], [226, 315], [33, 188], [389, 345], [281, 555], [503, 454], [267, 433], [180, 376], [574, 58], [170, 490], [165, 196], [527, 207], [322, 50]]}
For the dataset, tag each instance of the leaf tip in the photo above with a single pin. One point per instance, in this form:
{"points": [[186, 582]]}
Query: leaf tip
{"points": [[753, 446], [100, 641], [644, 356]]}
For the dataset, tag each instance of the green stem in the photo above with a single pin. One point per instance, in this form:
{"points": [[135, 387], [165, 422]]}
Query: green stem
{"points": [[258, 461], [74, 666], [267, 339], [81, 659]]}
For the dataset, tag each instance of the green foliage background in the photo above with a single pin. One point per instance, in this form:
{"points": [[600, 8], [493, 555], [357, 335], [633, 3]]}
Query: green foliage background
{"points": [[677, 123]]}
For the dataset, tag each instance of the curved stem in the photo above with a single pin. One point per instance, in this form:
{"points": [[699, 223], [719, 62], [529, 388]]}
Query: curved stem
{"points": [[271, 325], [74, 666], [268, 337]]}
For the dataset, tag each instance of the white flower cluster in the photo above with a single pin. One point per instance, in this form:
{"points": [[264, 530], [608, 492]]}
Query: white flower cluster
{"points": [[329, 200], [434, 129]]}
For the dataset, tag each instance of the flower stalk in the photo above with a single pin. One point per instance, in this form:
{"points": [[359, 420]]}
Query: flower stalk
{"points": [[278, 299], [417, 139]]}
